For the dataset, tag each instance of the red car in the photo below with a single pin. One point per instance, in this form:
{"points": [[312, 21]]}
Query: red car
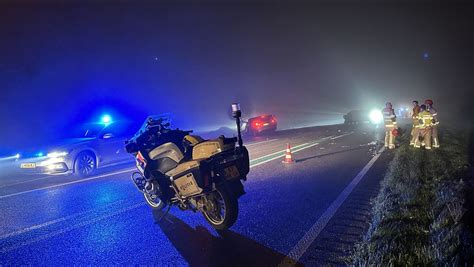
{"points": [[261, 124]]}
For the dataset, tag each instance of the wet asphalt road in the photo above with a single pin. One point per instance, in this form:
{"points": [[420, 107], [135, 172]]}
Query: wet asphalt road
{"points": [[51, 220]]}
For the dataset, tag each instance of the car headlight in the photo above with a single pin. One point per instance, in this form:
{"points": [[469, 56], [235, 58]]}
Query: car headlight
{"points": [[57, 154], [376, 116], [55, 166], [50, 161]]}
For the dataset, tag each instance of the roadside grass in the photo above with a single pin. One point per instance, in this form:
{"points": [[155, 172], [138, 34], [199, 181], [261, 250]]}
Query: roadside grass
{"points": [[418, 215]]}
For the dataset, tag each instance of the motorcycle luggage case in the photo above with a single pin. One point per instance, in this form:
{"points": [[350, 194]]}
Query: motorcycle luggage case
{"points": [[213, 147], [234, 164], [189, 177]]}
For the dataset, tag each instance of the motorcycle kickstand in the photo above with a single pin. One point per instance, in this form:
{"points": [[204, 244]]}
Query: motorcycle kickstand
{"points": [[164, 214]]}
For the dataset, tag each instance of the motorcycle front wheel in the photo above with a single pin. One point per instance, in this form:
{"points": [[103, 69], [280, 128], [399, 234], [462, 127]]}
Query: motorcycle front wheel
{"points": [[221, 208]]}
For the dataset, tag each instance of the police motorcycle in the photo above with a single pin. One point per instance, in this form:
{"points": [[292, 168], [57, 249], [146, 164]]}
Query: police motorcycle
{"points": [[176, 168]]}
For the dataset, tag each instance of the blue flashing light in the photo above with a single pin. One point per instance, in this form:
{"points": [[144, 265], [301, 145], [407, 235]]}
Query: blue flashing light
{"points": [[426, 55], [106, 119], [39, 154]]}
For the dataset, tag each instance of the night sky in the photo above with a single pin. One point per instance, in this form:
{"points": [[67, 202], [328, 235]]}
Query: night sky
{"points": [[61, 64]]}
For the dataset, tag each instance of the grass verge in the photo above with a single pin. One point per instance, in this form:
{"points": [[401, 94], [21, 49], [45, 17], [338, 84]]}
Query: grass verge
{"points": [[419, 213]]}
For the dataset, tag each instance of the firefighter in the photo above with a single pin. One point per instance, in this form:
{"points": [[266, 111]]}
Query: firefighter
{"points": [[434, 128], [390, 123], [425, 123], [414, 117]]}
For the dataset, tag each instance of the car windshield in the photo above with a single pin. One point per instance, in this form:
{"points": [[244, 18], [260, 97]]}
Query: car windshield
{"points": [[86, 131], [94, 130]]}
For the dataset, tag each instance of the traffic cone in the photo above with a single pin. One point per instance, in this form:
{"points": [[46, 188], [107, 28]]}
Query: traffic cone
{"points": [[288, 156]]}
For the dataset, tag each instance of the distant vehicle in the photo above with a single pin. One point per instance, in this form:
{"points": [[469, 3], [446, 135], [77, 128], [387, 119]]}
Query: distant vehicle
{"points": [[355, 117], [364, 117], [89, 147], [261, 124], [403, 112]]}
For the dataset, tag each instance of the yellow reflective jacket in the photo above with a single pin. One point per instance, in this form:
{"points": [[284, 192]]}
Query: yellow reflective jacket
{"points": [[414, 115], [389, 118], [425, 119]]}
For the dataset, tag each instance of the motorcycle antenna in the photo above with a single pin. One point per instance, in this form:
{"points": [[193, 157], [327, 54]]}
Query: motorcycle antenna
{"points": [[237, 113]]}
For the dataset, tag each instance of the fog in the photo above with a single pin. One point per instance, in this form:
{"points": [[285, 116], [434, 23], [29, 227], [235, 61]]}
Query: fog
{"points": [[62, 64]]}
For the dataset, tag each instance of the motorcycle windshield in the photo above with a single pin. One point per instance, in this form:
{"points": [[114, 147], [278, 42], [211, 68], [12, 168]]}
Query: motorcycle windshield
{"points": [[155, 119]]}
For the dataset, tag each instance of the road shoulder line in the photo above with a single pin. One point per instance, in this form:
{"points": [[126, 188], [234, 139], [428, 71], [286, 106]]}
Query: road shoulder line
{"points": [[261, 142], [300, 248]]}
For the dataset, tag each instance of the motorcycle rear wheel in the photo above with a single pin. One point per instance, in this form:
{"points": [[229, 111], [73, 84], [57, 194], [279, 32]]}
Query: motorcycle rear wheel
{"points": [[154, 202], [222, 210]]}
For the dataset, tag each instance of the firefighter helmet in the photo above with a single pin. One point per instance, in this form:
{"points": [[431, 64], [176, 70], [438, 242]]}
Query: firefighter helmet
{"points": [[429, 102]]}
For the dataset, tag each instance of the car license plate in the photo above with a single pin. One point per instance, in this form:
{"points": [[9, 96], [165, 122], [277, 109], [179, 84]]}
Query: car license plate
{"points": [[266, 124], [232, 172], [28, 165]]}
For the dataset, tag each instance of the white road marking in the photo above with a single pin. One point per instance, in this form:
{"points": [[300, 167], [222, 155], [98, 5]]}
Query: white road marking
{"points": [[70, 228], [65, 218], [342, 135], [280, 156], [278, 152], [296, 149], [68, 183], [281, 152], [105, 216], [122, 162], [262, 142], [34, 227], [27, 181], [295, 254], [118, 172], [59, 175]]}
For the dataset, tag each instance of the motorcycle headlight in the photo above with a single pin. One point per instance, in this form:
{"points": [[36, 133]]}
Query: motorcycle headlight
{"points": [[57, 154]]}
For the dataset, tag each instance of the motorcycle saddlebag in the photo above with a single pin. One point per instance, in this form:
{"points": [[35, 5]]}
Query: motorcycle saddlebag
{"points": [[235, 164], [190, 177], [213, 147]]}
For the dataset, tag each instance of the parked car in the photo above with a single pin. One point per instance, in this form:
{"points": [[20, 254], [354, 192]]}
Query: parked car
{"points": [[261, 124], [355, 117], [89, 147]]}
